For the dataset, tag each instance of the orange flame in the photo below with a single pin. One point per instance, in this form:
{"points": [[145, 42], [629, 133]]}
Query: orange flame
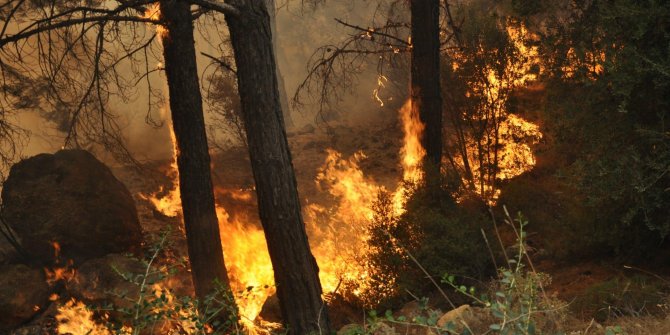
{"points": [[248, 263], [59, 272], [336, 234], [153, 12], [74, 318], [168, 203]]}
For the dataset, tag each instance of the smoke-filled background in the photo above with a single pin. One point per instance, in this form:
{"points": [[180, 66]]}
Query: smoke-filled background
{"points": [[301, 29]]}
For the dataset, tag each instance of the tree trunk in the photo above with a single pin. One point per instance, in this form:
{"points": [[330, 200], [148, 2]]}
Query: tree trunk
{"points": [[283, 97], [295, 269], [425, 83], [193, 161]]}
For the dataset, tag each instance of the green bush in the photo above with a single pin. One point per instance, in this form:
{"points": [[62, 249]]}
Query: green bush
{"points": [[514, 303], [517, 299], [434, 233], [608, 93]]}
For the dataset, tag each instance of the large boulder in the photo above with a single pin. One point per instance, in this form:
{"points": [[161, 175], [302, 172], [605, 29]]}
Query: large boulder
{"points": [[8, 253], [23, 294], [72, 202]]}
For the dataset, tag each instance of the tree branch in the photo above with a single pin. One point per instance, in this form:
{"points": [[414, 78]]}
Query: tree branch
{"points": [[223, 8], [373, 31], [220, 62], [74, 22]]}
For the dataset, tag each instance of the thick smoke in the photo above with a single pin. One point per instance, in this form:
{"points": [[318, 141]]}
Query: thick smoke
{"points": [[301, 29]]}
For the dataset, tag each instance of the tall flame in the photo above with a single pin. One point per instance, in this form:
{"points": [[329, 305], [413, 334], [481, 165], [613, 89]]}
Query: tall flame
{"points": [[247, 261], [341, 232], [336, 233]]}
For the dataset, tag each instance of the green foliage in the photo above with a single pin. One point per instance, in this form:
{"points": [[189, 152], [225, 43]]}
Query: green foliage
{"points": [[516, 300], [514, 303], [440, 235], [608, 101], [614, 330], [156, 308]]}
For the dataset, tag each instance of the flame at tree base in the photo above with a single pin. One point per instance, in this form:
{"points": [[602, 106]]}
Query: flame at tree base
{"points": [[337, 234]]}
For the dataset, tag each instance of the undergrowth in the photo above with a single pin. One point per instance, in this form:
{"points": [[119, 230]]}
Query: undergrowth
{"points": [[152, 308], [515, 303]]}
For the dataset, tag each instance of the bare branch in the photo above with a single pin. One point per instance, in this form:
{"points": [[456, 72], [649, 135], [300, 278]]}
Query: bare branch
{"points": [[223, 8], [220, 62], [73, 22], [373, 31]]}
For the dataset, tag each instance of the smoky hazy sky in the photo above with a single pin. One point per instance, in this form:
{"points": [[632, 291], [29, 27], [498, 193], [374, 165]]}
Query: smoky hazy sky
{"points": [[300, 32]]}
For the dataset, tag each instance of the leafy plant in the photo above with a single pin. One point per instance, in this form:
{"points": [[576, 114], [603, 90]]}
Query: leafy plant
{"points": [[156, 310], [438, 234], [517, 300], [606, 64]]}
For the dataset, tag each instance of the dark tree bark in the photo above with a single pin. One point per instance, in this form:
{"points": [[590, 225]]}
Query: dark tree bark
{"points": [[425, 83], [193, 161], [295, 269]]}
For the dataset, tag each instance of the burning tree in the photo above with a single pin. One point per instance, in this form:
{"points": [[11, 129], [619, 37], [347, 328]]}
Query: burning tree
{"points": [[488, 144], [425, 78], [79, 48], [335, 67], [296, 271], [480, 72], [193, 161]]}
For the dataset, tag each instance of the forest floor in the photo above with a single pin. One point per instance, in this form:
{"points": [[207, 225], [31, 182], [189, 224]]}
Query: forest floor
{"points": [[597, 291]]}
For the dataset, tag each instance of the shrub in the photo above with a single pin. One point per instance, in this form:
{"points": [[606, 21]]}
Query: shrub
{"points": [[439, 234], [156, 310], [514, 303], [517, 300]]}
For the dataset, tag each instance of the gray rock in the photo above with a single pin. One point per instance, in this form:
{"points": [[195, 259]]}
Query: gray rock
{"points": [[73, 199]]}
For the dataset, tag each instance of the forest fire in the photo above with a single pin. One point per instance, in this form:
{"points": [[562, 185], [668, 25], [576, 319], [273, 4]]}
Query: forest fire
{"points": [[332, 231], [542, 125], [75, 318], [337, 233], [346, 224], [496, 145]]}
